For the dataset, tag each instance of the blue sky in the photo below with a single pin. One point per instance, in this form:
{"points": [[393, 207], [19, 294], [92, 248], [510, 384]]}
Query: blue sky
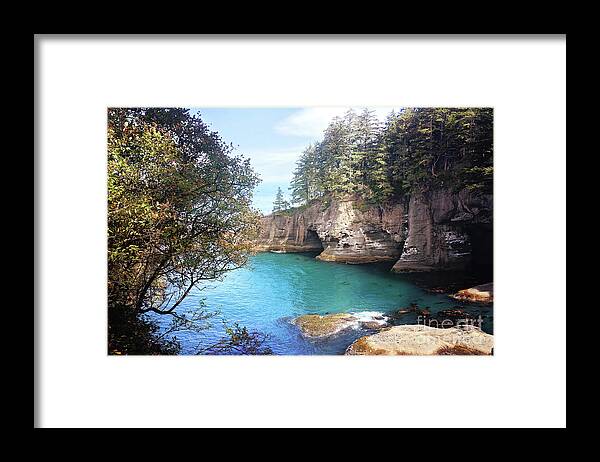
{"points": [[273, 138]]}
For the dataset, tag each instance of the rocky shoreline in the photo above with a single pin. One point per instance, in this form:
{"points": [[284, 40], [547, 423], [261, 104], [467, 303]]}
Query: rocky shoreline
{"points": [[384, 338], [428, 231], [354, 259]]}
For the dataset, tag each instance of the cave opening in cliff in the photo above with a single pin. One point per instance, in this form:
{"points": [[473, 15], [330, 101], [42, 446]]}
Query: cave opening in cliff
{"points": [[482, 251], [312, 239]]}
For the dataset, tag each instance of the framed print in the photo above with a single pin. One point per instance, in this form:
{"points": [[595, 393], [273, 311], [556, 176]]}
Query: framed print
{"points": [[300, 231]]}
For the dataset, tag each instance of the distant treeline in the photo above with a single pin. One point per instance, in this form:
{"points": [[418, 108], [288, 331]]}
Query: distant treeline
{"points": [[415, 148]]}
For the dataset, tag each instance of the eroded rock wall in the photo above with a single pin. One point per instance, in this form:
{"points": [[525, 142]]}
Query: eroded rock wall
{"points": [[352, 234], [343, 230], [440, 229], [289, 233], [430, 231]]}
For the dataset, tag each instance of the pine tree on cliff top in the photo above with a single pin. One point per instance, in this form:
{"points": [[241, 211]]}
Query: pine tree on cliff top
{"points": [[304, 186], [336, 146], [280, 203]]}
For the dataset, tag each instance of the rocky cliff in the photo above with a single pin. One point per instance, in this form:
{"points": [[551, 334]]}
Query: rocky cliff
{"points": [[447, 231], [428, 231], [341, 230]]}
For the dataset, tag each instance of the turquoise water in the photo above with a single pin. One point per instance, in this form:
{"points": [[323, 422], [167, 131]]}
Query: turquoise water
{"points": [[274, 288]]}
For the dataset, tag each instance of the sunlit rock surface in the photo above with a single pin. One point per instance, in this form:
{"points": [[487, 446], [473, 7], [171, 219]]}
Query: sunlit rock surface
{"points": [[342, 230], [483, 293], [315, 325], [424, 340], [430, 230]]}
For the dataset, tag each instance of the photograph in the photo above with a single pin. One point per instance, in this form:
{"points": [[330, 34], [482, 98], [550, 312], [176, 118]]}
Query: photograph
{"points": [[318, 230]]}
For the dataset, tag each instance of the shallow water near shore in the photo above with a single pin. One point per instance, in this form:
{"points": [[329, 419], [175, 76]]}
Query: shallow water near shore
{"points": [[274, 288]]}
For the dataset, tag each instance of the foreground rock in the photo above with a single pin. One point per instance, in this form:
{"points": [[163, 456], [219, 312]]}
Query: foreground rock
{"points": [[315, 325], [483, 293], [424, 340]]}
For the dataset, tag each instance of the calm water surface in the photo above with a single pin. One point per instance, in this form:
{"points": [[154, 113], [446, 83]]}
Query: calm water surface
{"points": [[274, 288]]}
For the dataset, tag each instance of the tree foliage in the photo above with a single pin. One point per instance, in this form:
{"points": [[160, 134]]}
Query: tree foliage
{"points": [[239, 341], [280, 204], [179, 211], [415, 148]]}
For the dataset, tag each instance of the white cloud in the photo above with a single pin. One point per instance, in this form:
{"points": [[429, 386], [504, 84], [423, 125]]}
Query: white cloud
{"points": [[274, 158], [312, 122], [275, 167], [309, 122]]}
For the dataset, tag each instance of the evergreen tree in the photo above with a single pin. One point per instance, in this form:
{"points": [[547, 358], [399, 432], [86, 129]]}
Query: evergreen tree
{"points": [[299, 186], [307, 182], [369, 158], [439, 147], [336, 147], [377, 174], [393, 149], [279, 204], [416, 148]]}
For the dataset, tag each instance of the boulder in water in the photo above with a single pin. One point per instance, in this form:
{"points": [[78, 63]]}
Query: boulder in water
{"points": [[373, 325], [483, 293], [315, 325]]}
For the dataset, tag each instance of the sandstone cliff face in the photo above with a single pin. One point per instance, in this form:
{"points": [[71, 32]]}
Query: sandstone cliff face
{"points": [[340, 230], [435, 230], [290, 233], [445, 229]]}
